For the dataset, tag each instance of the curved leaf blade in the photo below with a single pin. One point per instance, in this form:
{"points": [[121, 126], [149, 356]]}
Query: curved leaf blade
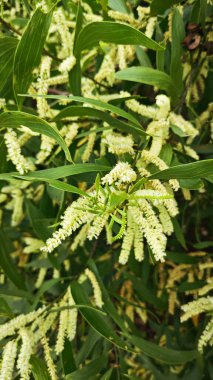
{"points": [[94, 102], [112, 32], [94, 113], [39, 369], [96, 320], [7, 48], [163, 354], [64, 171], [147, 75], [7, 263], [88, 371], [178, 33], [14, 119], [29, 49], [199, 169]]}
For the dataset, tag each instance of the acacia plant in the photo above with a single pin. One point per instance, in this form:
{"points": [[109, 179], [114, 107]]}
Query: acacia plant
{"points": [[106, 175]]}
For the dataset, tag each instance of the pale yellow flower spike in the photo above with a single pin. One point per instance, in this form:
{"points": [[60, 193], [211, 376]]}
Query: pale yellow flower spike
{"points": [[23, 362], [96, 288], [8, 360], [48, 359]]}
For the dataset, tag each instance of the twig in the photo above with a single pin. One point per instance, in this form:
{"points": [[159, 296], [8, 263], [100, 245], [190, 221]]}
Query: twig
{"points": [[57, 92]]}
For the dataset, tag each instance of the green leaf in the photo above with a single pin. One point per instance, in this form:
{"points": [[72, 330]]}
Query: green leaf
{"points": [[75, 73], [179, 233], [29, 49], [108, 305], [43, 289], [147, 294], [75, 79], [191, 184], [160, 6], [94, 113], [66, 187], [39, 369], [118, 5], [203, 244], [103, 3], [97, 321], [178, 131], [186, 286], [7, 48], [63, 171], [37, 221], [199, 12], [92, 338], [5, 310], [147, 75], [163, 354], [14, 119], [94, 102], [143, 56], [57, 185], [182, 258], [68, 358], [178, 34], [90, 370], [199, 169], [7, 263], [112, 32], [79, 22]]}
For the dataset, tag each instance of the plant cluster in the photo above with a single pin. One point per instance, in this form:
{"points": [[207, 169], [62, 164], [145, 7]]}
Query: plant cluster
{"points": [[106, 175]]}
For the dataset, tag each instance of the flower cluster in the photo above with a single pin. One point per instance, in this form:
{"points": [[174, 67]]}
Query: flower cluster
{"points": [[30, 331], [113, 205]]}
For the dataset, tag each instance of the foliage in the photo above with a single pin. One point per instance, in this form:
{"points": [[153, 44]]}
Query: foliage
{"points": [[106, 176]]}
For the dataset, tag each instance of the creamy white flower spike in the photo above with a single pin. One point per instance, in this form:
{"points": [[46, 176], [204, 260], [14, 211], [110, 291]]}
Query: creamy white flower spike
{"points": [[127, 240], [8, 360], [196, 307], [188, 150], [62, 326], [163, 103], [72, 317], [206, 336], [184, 125], [150, 26], [118, 144], [96, 288], [107, 69], [89, 147], [22, 164], [138, 243], [122, 172], [97, 226], [135, 106], [65, 35], [50, 364], [67, 64], [154, 236], [32, 244], [74, 216], [16, 323], [165, 219], [23, 362], [148, 157]]}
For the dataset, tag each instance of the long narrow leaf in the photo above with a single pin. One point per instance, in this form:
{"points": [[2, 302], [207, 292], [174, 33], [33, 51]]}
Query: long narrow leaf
{"points": [[117, 33], [94, 113], [29, 49], [14, 119], [199, 169], [147, 75]]}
